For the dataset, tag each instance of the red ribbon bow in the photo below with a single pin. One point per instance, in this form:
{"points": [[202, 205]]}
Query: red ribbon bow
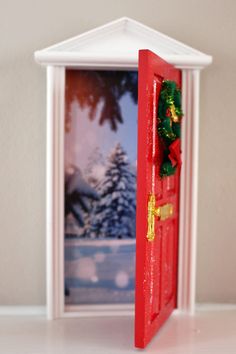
{"points": [[175, 153]]}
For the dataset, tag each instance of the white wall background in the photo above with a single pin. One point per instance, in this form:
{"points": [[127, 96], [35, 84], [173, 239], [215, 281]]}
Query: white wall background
{"points": [[208, 25]]}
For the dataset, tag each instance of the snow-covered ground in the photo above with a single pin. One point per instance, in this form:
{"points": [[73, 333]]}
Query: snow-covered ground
{"points": [[99, 271]]}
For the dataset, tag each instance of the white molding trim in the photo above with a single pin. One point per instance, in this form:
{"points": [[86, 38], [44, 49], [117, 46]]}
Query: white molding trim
{"points": [[99, 310], [22, 310], [128, 310], [84, 51], [55, 190], [108, 61], [188, 192]]}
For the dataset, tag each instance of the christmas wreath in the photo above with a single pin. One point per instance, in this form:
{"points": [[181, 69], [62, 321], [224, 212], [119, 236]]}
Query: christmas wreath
{"points": [[168, 126]]}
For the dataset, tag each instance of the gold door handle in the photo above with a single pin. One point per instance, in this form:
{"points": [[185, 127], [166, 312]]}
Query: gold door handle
{"points": [[163, 212]]}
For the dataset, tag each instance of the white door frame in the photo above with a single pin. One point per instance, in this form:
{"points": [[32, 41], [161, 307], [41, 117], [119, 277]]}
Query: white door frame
{"points": [[55, 195]]}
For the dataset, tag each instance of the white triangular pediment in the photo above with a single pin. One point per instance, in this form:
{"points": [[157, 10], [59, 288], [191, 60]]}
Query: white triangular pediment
{"points": [[116, 44]]}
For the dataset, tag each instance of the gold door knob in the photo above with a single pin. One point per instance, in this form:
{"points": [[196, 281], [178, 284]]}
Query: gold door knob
{"points": [[163, 212]]}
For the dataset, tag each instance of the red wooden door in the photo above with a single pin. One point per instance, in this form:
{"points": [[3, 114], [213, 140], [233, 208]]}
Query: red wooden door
{"points": [[156, 260]]}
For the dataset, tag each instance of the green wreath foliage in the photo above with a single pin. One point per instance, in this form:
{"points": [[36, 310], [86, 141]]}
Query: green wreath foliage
{"points": [[168, 128]]}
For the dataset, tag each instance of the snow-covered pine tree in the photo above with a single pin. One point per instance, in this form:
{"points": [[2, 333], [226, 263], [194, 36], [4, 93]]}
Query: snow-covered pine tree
{"points": [[95, 168], [113, 215], [78, 196]]}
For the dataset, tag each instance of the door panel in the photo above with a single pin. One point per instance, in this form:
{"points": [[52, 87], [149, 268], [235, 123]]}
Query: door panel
{"points": [[156, 260]]}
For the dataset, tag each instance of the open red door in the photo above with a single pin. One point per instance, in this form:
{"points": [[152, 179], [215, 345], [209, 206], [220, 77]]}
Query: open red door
{"points": [[157, 207]]}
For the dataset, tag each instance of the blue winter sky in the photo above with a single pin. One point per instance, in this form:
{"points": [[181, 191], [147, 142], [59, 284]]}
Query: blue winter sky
{"points": [[85, 135]]}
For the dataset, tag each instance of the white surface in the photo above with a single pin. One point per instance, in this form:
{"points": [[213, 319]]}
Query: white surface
{"points": [[206, 332], [116, 44]]}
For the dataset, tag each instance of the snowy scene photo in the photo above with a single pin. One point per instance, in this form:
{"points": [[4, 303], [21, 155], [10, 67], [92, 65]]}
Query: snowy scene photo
{"points": [[100, 186]]}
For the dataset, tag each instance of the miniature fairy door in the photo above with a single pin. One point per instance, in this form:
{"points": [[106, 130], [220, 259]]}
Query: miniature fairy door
{"points": [[157, 198]]}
